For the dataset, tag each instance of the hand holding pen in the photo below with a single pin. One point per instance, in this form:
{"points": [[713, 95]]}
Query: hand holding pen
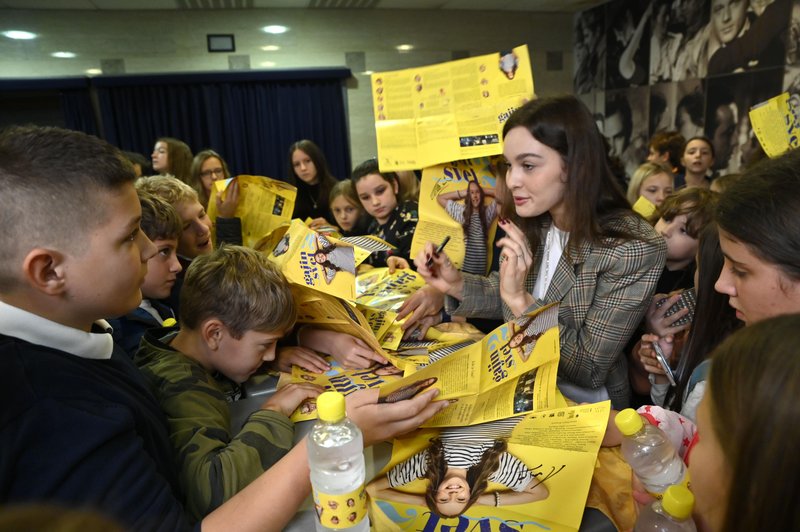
{"points": [[438, 271]]}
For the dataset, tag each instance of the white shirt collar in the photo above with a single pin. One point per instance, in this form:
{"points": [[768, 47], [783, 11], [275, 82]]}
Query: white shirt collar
{"points": [[41, 331]]}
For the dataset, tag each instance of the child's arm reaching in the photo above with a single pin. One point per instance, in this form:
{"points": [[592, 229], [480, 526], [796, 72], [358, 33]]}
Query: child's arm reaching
{"points": [[306, 358], [349, 351], [247, 511]]}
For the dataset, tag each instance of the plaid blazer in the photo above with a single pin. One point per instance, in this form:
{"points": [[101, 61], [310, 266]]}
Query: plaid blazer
{"points": [[603, 292]]}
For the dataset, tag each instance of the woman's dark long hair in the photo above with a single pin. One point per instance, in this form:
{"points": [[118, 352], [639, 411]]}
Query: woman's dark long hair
{"points": [[593, 196], [477, 475], [714, 318]]}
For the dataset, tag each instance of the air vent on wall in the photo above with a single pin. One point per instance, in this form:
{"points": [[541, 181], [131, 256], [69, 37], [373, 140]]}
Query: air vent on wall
{"points": [[343, 4], [214, 4]]}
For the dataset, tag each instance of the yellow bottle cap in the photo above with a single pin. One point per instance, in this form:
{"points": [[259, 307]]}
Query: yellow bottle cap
{"points": [[330, 407], [678, 501], [629, 422], [170, 322]]}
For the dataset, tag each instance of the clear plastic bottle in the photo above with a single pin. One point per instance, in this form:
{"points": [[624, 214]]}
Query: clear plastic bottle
{"points": [[649, 453], [673, 513], [336, 460]]}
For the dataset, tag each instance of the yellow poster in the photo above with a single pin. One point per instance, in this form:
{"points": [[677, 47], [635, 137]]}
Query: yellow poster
{"points": [[452, 197], [510, 372], [449, 111], [264, 204], [310, 259], [528, 473], [776, 124]]}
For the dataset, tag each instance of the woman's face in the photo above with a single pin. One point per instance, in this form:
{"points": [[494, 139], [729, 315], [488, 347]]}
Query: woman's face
{"points": [[211, 170], [709, 473], [452, 495], [304, 167], [378, 196], [160, 157], [697, 157], [757, 289], [345, 212], [656, 188], [535, 177], [474, 194]]}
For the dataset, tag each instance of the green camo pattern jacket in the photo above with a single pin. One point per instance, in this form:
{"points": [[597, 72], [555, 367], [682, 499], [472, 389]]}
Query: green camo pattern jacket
{"points": [[214, 463]]}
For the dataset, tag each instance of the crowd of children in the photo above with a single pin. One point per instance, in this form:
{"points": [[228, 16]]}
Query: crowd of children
{"points": [[131, 416]]}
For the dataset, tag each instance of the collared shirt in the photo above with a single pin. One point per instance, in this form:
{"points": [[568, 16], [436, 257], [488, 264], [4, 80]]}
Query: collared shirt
{"points": [[37, 330]]}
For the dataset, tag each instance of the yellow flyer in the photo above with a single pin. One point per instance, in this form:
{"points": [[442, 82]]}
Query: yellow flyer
{"points": [[320, 262], [528, 473], [510, 372], [450, 111], [377, 288], [456, 200], [776, 124], [264, 204]]}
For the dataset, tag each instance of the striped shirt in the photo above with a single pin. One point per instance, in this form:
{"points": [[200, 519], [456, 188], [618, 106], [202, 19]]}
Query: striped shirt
{"points": [[475, 241]]}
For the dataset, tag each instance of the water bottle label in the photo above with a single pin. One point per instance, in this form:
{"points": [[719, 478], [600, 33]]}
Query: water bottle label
{"points": [[341, 511]]}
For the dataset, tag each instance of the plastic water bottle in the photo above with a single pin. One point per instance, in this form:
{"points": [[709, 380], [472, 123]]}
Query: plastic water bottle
{"points": [[673, 513], [336, 460], [649, 453]]}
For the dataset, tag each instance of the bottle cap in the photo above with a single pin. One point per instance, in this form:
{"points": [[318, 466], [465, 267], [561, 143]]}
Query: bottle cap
{"points": [[330, 407], [629, 422], [169, 322], [678, 501]]}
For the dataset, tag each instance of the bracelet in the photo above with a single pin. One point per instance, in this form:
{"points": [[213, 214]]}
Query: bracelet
{"points": [[497, 498]]}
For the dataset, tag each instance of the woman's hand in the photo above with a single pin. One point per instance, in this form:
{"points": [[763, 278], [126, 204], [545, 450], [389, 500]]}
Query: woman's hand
{"points": [[226, 208], [439, 272], [516, 260], [427, 302]]}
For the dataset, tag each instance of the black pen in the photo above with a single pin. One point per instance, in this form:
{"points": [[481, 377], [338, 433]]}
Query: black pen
{"points": [[438, 250]]}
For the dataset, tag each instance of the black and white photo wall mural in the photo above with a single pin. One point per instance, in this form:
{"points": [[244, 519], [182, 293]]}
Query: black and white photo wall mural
{"points": [[694, 66]]}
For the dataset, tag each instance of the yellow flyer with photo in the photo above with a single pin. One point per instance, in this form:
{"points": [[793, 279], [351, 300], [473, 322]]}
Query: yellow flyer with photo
{"points": [[264, 204], [452, 198], [450, 111], [320, 262], [538, 469], [510, 372]]}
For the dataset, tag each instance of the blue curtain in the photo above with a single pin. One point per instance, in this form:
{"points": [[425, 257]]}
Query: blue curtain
{"points": [[250, 118], [76, 104], [63, 102]]}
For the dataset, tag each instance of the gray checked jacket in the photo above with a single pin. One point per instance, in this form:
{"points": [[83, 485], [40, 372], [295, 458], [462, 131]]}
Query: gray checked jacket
{"points": [[603, 292]]}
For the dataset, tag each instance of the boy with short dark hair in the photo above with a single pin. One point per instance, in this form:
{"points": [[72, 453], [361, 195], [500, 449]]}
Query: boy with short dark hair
{"points": [[79, 425], [162, 225], [236, 305]]}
